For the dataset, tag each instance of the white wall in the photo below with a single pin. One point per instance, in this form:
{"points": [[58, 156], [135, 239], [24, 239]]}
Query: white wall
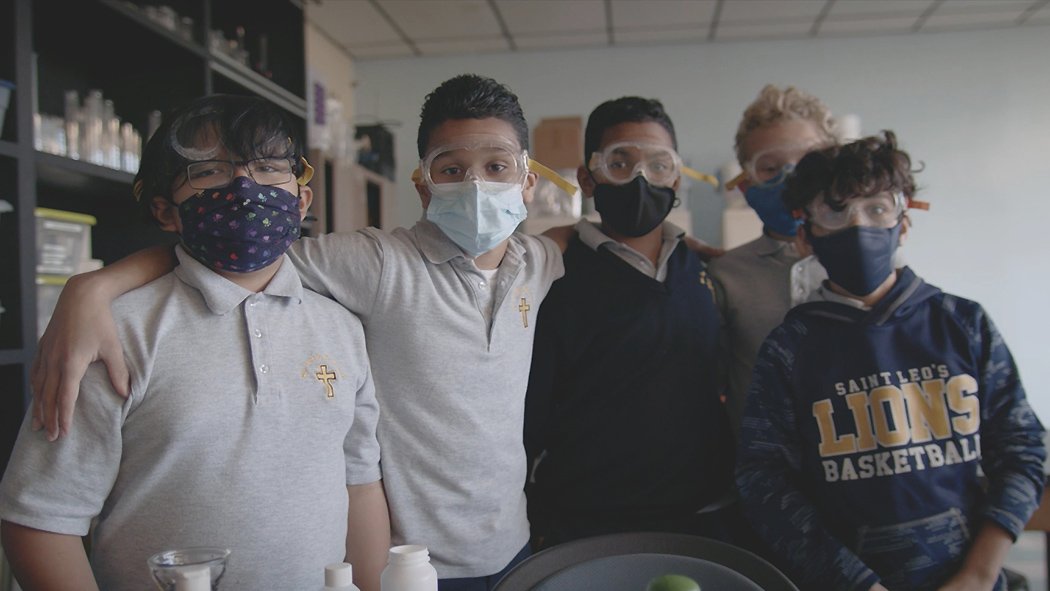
{"points": [[974, 106]]}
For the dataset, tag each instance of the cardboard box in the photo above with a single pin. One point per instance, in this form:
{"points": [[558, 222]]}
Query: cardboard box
{"points": [[558, 142]]}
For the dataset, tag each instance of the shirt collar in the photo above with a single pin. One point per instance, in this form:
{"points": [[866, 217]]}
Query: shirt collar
{"points": [[439, 249], [591, 233], [223, 295], [768, 246], [824, 293]]}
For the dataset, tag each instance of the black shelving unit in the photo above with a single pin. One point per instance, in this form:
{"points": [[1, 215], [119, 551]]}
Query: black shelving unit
{"points": [[50, 46]]}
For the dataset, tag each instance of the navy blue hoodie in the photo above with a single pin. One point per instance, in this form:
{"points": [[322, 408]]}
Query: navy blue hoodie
{"points": [[864, 431]]}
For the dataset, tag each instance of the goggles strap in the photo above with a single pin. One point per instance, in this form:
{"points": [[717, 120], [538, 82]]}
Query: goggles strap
{"points": [[735, 181], [916, 204], [552, 176], [699, 176], [308, 172]]}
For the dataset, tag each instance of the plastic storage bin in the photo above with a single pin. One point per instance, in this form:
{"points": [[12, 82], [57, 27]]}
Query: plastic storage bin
{"points": [[48, 288], [63, 241]]}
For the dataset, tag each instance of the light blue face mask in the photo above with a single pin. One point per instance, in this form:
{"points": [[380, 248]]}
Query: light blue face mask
{"points": [[477, 216]]}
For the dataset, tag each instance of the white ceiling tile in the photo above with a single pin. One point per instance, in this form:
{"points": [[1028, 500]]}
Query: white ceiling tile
{"points": [[552, 16], [560, 41], [656, 13], [878, 7], [763, 30], [941, 20], [351, 22], [750, 11], [378, 51], [898, 24], [444, 19], [473, 45], [662, 35]]}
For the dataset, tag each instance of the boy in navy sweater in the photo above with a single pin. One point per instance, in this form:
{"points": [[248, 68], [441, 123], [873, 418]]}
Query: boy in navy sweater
{"points": [[623, 408], [873, 405]]}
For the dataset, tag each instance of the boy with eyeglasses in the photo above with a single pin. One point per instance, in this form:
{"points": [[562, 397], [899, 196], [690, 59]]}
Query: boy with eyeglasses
{"points": [[873, 406], [449, 310], [624, 423], [251, 418]]}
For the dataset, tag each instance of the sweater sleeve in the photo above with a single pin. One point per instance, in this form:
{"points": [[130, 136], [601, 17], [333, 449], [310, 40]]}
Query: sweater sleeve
{"points": [[769, 468], [1011, 435]]}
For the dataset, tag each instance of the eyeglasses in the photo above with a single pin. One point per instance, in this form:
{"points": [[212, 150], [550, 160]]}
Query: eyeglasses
{"points": [[883, 210], [214, 174], [619, 163]]}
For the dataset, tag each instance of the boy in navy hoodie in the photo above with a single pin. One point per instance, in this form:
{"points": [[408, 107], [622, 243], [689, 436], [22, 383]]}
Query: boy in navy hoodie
{"points": [[873, 405]]}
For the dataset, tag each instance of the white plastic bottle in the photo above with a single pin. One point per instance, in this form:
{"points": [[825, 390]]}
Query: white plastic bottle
{"points": [[339, 576], [408, 569]]}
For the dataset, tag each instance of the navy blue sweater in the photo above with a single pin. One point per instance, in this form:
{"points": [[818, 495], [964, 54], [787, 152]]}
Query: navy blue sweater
{"points": [[864, 431], [623, 404]]}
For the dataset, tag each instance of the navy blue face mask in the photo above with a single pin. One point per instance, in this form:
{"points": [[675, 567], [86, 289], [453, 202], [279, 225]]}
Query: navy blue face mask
{"points": [[859, 258], [767, 202]]}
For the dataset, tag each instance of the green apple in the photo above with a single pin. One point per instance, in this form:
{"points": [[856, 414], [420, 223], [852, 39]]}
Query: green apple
{"points": [[672, 583]]}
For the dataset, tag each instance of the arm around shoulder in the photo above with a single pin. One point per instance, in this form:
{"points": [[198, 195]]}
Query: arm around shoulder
{"points": [[82, 331]]}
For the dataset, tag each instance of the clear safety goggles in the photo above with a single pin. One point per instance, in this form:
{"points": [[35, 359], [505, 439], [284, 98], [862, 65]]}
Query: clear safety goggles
{"points": [[772, 166], [483, 159], [883, 210], [620, 163]]}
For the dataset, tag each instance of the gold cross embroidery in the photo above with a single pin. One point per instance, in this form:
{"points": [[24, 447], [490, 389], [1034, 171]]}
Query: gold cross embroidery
{"points": [[327, 377], [524, 308]]}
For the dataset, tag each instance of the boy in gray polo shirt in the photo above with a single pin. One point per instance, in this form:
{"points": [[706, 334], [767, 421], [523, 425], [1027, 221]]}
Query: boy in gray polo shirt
{"points": [[251, 418], [449, 310]]}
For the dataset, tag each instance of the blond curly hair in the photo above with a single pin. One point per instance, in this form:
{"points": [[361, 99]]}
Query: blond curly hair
{"points": [[775, 104]]}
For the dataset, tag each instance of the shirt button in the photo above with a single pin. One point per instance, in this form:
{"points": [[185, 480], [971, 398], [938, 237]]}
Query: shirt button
{"points": [[252, 304], [264, 368], [257, 333], [481, 283]]}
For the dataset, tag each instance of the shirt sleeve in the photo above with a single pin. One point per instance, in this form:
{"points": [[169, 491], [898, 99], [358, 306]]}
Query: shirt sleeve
{"points": [[551, 259], [361, 447], [768, 467], [60, 487], [1012, 446], [344, 266]]}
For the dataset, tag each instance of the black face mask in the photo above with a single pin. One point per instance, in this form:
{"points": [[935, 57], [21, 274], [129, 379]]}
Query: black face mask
{"points": [[633, 209]]}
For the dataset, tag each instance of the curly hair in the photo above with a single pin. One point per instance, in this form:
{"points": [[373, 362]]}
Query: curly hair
{"points": [[866, 167], [628, 109], [469, 96], [774, 105]]}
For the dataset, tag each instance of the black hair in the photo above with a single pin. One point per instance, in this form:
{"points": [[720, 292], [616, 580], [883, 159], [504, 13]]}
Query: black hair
{"points": [[248, 127], [863, 168], [469, 96], [628, 109]]}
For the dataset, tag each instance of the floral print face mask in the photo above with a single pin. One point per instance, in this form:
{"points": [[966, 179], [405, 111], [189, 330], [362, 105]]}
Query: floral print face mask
{"points": [[242, 227]]}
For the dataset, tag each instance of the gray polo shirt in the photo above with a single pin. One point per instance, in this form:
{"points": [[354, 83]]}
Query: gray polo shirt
{"points": [[591, 234], [450, 381], [248, 416], [758, 283]]}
